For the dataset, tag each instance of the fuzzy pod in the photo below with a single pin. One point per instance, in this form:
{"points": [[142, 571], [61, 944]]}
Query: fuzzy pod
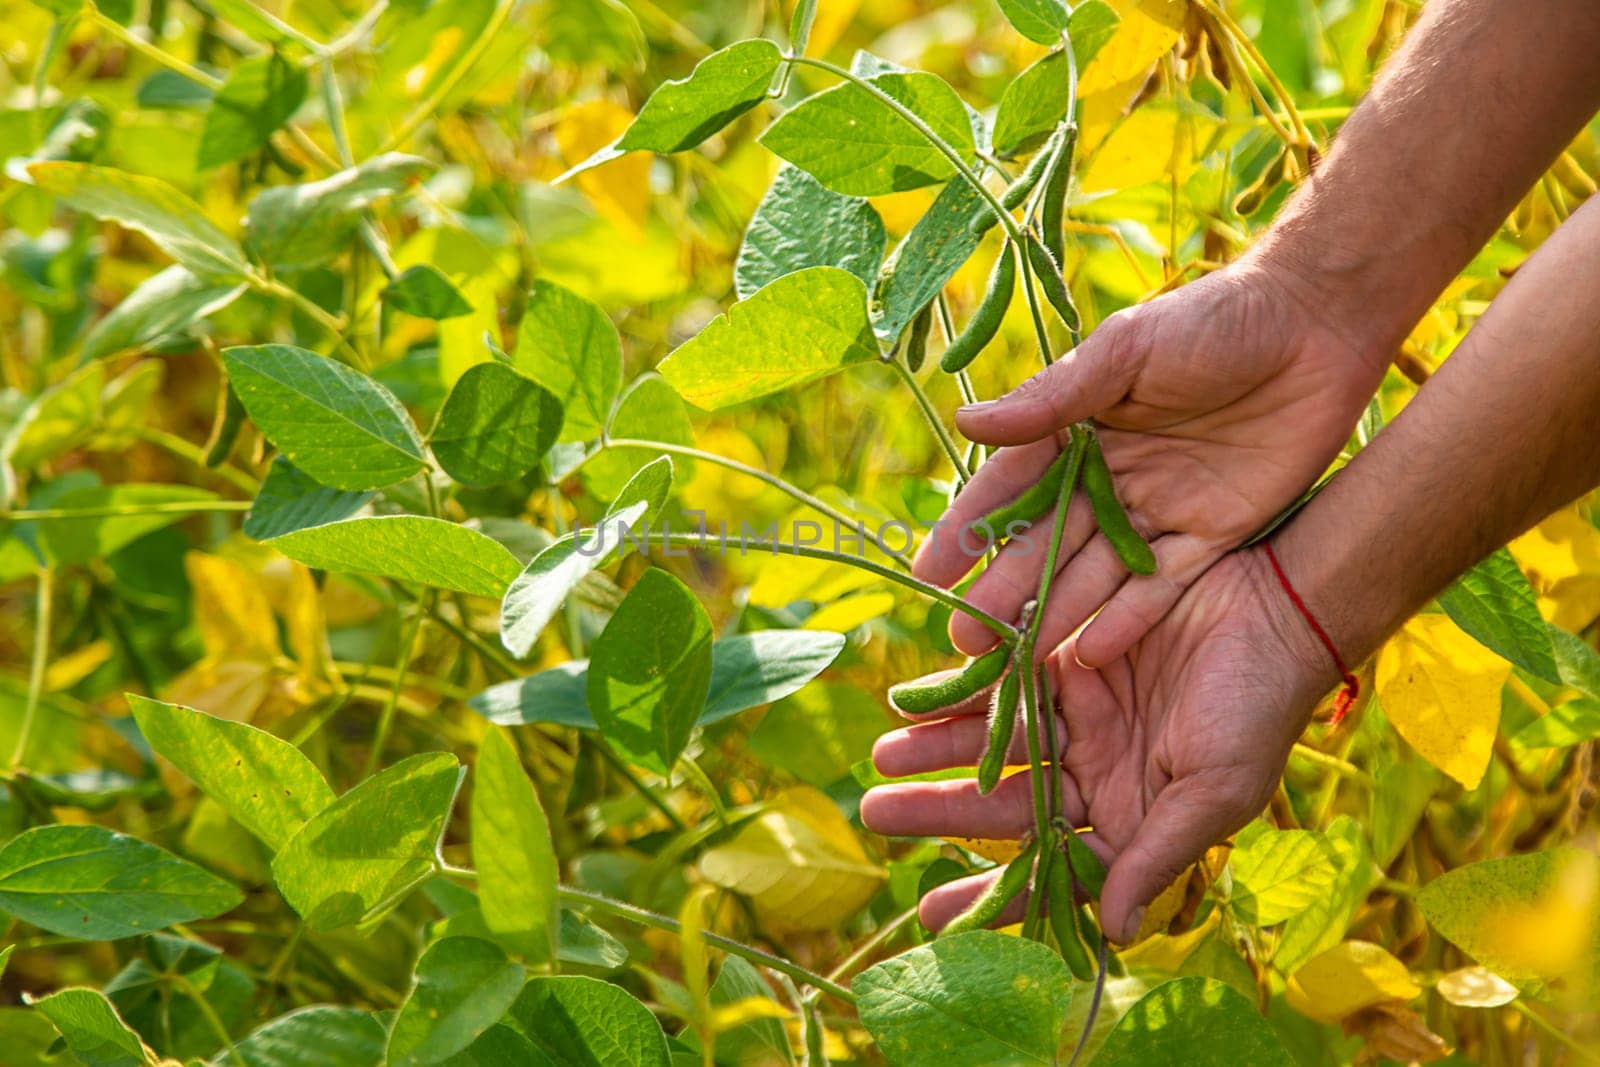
{"points": [[917, 342], [985, 321], [1112, 518], [919, 698], [1034, 501], [1051, 283], [1063, 910], [993, 900], [1002, 724]]}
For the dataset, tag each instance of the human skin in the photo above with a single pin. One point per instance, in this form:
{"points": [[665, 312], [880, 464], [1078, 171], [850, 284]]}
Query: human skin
{"points": [[1179, 742], [1219, 403]]}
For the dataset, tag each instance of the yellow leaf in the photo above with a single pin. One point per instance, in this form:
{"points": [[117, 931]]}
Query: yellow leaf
{"points": [[1561, 557], [747, 1010], [716, 490], [1476, 987], [845, 615], [294, 595], [1441, 690], [798, 862], [231, 609], [68, 670], [231, 689], [1160, 912], [620, 189], [1148, 30], [1347, 978], [1152, 144], [993, 849]]}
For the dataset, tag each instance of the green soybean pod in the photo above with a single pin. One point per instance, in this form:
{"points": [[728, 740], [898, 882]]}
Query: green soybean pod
{"points": [[1034, 501], [1051, 283], [1002, 724], [919, 698], [1063, 909], [993, 900], [229, 422], [1053, 210], [1087, 868], [917, 343], [1109, 514], [1014, 194], [985, 321]]}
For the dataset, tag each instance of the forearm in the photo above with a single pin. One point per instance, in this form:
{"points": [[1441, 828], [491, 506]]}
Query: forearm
{"points": [[1475, 105], [1507, 431]]}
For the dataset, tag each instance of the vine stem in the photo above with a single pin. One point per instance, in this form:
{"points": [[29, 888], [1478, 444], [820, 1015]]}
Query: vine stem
{"points": [[40, 662], [193, 455], [213, 1020], [778, 548], [316, 312], [1242, 41], [151, 52], [116, 511], [408, 651], [757, 473], [963, 472], [447, 85]]}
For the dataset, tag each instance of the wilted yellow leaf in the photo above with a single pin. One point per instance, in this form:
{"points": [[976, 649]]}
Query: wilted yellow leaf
{"points": [[1152, 144], [1148, 30], [1441, 690], [231, 609], [993, 849], [746, 1010], [1476, 987], [1346, 978], [799, 862], [619, 190], [1561, 557]]}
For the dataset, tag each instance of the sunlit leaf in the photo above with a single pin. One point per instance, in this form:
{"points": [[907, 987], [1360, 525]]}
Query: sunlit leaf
{"points": [[569, 346], [801, 223], [462, 988], [1148, 30], [1567, 724], [1200, 1022], [1475, 987], [1279, 873], [303, 225], [1495, 604], [1041, 21], [1348, 977], [494, 427], [260, 95], [114, 516], [164, 304], [409, 548], [92, 1029], [516, 862], [323, 1034], [589, 1023], [1441, 690], [940, 241]]}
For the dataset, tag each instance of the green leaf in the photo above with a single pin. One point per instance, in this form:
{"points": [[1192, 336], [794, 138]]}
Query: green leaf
{"points": [[1279, 873], [164, 304], [409, 548], [557, 695], [290, 499], [1322, 925], [856, 144], [1508, 914], [536, 594], [151, 207], [266, 784], [1199, 1022], [649, 670], [818, 734], [802, 223], [939, 243], [322, 1034], [90, 883], [334, 423], [93, 1030], [304, 225], [1568, 724], [584, 1022], [67, 542], [980, 997], [650, 410], [569, 346], [802, 327], [366, 849], [463, 986], [761, 1040], [500, 1046], [517, 866], [748, 670], [1032, 105], [426, 293], [494, 427], [1040, 21], [1576, 661], [722, 86], [261, 94], [1495, 604], [61, 418]]}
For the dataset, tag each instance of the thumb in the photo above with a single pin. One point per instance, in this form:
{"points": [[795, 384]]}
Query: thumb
{"points": [[1080, 385], [1187, 818]]}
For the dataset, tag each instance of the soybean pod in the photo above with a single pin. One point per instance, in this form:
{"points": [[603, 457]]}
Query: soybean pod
{"points": [[1034, 501], [993, 900], [919, 697], [1087, 868], [1053, 199], [985, 321], [1014, 194], [1051, 283], [917, 343], [1002, 724], [1113, 520], [229, 421], [1063, 922]]}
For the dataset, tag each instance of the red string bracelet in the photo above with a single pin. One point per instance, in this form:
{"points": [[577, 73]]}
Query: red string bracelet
{"points": [[1352, 685]]}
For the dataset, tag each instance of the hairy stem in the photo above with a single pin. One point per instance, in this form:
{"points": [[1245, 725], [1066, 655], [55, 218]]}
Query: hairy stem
{"points": [[39, 664]]}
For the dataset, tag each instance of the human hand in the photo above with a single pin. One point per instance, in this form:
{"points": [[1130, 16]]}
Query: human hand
{"points": [[1167, 750], [1218, 404]]}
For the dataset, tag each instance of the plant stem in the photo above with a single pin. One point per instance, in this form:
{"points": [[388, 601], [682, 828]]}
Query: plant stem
{"points": [[963, 472], [117, 511], [620, 765], [1554, 1032], [312, 310], [408, 650], [447, 84], [1342, 768], [193, 455], [621, 910], [39, 664], [944, 596], [209, 1013], [150, 51], [778, 483]]}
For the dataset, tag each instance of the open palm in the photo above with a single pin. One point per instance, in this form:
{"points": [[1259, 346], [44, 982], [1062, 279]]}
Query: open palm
{"points": [[1218, 405], [1167, 750]]}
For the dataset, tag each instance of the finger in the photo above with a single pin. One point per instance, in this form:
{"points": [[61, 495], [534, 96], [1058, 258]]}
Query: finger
{"points": [[1188, 817], [1089, 579], [945, 902], [956, 808], [1013, 578], [952, 549], [1080, 385], [939, 746], [1144, 600]]}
